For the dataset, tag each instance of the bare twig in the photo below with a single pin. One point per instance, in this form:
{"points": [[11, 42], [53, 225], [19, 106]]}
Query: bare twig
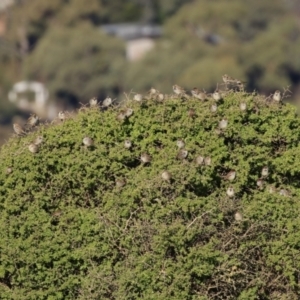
{"points": [[207, 212]]}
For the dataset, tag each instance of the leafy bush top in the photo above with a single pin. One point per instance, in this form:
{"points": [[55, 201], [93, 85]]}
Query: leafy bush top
{"points": [[97, 223]]}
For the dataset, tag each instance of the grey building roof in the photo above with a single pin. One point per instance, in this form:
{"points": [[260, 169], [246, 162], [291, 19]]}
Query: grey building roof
{"points": [[130, 31]]}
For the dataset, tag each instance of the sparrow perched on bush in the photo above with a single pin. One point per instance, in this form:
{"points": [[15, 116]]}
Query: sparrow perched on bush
{"points": [[230, 175], [223, 123], [191, 113], [232, 81], [138, 97], [93, 102], [238, 216], [198, 94], [87, 141], [230, 192], [260, 182], [127, 144], [145, 158], [120, 182], [277, 96], [180, 91], [265, 171], [180, 143], [9, 170], [284, 192], [227, 79], [39, 139], [165, 175], [62, 115], [33, 120], [199, 160], [243, 106], [216, 95], [207, 161], [182, 154], [214, 107], [33, 148], [153, 92], [128, 112], [160, 97], [18, 129], [121, 116], [218, 131], [107, 102], [271, 189]]}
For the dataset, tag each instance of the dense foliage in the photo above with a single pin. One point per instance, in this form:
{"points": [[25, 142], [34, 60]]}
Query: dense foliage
{"points": [[96, 222]]}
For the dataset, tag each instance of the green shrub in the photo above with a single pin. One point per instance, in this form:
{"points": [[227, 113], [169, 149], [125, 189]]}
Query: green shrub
{"points": [[69, 232]]}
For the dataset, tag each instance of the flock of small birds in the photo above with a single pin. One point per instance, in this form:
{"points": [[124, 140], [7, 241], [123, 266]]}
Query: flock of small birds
{"points": [[145, 158]]}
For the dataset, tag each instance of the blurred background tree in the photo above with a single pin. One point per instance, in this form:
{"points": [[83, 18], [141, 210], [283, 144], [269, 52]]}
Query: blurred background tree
{"points": [[60, 43], [77, 68], [257, 42]]}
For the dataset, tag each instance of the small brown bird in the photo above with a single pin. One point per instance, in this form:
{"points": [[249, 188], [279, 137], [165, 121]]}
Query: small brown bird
{"points": [[93, 102], [284, 192], [260, 183], [230, 192], [33, 148], [271, 189], [18, 129], [127, 144], [107, 102], [216, 95], [121, 116], [128, 112], [153, 92], [214, 107], [238, 216], [191, 113], [265, 171], [277, 96], [145, 158], [199, 160], [138, 97], [227, 79], [243, 106], [87, 141], [120, 182], [39, 139], [161, 97], [9, 170], [218, 131], [180, 143], [33, 120], [182, 154], [230, 175], [165, 175], [62, 115], [178, 90], [207, 161], [240, 85], [223, 123], [198, 94], [57, 214]]}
